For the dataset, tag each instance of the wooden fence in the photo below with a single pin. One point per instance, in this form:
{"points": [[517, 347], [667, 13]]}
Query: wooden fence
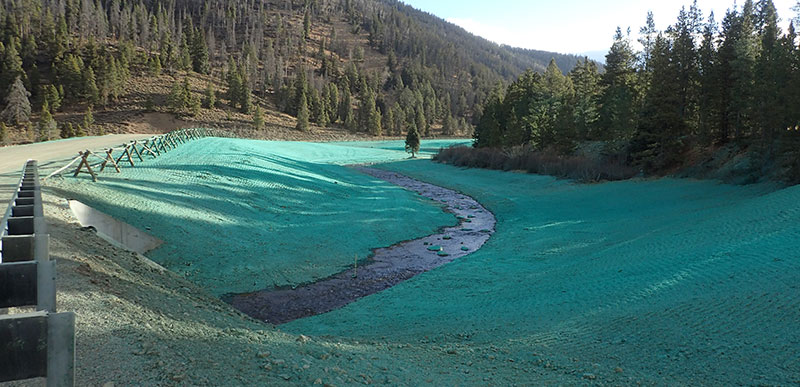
{"points": [[92, 163], [38, 343]]}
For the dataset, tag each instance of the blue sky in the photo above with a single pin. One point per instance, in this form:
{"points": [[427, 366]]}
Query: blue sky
{"points": [[567, 26]]}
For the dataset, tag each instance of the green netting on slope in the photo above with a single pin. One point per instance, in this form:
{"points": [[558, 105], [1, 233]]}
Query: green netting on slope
{"points": [[647, 276], [240, 215]]}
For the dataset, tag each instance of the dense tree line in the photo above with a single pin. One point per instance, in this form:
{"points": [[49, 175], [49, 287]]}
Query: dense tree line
{"points": [[696, 85], [428, 72]]}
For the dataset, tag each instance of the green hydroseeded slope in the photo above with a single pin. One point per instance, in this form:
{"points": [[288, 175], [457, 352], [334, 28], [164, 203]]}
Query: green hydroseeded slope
{"points": [[668, 281], [242, 215]]}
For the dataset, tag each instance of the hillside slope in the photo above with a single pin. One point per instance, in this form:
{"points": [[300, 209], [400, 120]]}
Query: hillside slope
{"points": [[375, 66]]}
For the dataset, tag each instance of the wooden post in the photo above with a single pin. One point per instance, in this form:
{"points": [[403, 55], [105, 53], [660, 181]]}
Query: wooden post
{"points": [[126, 152], [110, 158], [85, 163], [136, 150]]}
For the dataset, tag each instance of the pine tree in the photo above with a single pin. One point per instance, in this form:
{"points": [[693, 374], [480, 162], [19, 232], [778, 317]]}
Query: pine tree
{"points": [[199, 53], [10, 64], [412, 141], [180, 96], [194, 105], [619, 96], [88, 118], [47, 125], [51, 96], [210, 96], [448, 126], [374, 123], [302, 115], [90, 91], [234, 83], [772, 71], [585, 80], [710, 93], [388, 122], [655, 145], [258, 118], [18, 107], [67, 130], [422, 123], [307, 23]]}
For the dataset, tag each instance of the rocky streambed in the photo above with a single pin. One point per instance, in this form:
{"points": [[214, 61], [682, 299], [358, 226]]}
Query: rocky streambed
{"points": [[386, 267]]}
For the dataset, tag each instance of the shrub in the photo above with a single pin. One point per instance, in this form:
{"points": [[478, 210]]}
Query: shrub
{"points": [[579, 168]]}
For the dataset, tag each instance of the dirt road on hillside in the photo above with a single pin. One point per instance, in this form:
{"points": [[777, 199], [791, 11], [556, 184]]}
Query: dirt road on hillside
{"points": [[12, 157]]}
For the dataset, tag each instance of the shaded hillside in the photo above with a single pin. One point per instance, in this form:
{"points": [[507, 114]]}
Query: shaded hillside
{"points": [[379, 67]]}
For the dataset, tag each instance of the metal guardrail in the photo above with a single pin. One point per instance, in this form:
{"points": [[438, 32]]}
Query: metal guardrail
{"points": [[40, 343]]}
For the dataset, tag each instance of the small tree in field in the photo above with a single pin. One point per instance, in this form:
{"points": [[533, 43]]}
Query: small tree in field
{"points": [[302, 115], [258, 118], [412, 141]]}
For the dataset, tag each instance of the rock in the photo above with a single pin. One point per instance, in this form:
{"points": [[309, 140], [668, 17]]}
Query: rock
{"points": [[108, 384], [303, 339], [264, 355], [589, 376], [618, 370], [435, 248]]}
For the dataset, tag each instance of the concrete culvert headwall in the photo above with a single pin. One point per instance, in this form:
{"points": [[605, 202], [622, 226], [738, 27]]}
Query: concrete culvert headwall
{"points": [[116, 231]]}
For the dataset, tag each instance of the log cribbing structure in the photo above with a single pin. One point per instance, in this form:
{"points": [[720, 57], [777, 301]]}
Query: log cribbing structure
{"points": [[38, 343], [94, 162]]}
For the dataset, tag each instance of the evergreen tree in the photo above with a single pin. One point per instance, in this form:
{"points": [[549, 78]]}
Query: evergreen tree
{"points": [[51, 96], [303, 115], [489, 132], [180, 97], [199, 53], [88, 118], [655, 144], [586, 82], [3, 132], [90, 91], [709, 101], [421, 122], [307, 23], [619, 96], [67, 130], [772, 73], [412, 141], [258, 118], [47, 125], [210, 96], [448, 126], [741, 111], [388, 122], [18, 107], [374, 123], [10, 64]]}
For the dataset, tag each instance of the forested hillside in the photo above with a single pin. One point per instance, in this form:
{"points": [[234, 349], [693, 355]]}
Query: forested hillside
{"points": [[377, 66], [698, 86]]}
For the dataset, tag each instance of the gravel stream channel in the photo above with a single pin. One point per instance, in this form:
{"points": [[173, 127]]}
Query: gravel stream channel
{"points": [[386, 267]]}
